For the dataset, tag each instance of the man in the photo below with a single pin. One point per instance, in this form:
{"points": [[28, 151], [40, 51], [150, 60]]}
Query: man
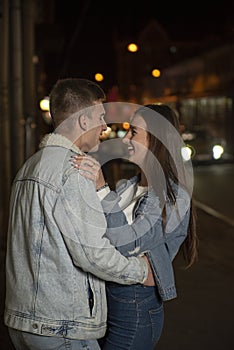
{"points": [[57, 257]]}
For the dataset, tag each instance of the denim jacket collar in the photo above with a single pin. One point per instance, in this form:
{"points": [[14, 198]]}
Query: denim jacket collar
{"points": [[59, 140]]}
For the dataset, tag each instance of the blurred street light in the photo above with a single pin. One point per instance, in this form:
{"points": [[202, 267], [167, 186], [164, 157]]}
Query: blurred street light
{"points": [[132, 47], [126, 126], [99, 77], [217, 151], [156, 73], [45, 108], [45, 104], [187, 152]]}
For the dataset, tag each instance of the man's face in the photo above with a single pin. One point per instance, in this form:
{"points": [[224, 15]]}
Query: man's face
{"points": [[95, 126]]}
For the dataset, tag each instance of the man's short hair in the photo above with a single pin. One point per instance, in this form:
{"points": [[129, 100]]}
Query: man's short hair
{"points": [[71, 95]]}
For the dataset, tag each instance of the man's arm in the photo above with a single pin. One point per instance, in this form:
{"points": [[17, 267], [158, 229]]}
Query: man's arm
{"points": [[83, 226]]}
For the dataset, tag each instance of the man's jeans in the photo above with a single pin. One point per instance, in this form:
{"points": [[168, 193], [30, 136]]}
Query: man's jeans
{"points": [[29, 341]]}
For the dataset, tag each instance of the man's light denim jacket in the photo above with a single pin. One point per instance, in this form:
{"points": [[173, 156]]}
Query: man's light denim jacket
{"points": [[56, 249], [145, 234]]}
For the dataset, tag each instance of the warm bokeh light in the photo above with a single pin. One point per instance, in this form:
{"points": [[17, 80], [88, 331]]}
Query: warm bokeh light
{"points": [[99, 77], [112, 134], [106, 134], [45, 104], [133, 47], [45, 108], [126, 125], [156, 73]]}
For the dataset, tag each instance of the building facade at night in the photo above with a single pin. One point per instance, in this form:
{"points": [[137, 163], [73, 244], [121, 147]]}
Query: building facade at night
{"points": [[196, 78]]}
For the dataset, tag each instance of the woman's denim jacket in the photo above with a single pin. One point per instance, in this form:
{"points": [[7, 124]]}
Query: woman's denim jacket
{"points": [[56, 249], [145, 234]]}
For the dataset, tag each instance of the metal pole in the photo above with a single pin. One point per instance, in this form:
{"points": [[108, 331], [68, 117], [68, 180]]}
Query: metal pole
{"points": [[17, 119], [5, 171], [29, 77]]}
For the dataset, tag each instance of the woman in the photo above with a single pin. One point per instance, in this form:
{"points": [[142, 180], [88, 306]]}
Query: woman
{"points": [[152, 214]]}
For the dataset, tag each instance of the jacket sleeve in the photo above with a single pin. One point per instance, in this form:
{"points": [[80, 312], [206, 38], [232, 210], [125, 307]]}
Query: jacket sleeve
{"points": [[80, 218], [146, 228], [146, 231]]}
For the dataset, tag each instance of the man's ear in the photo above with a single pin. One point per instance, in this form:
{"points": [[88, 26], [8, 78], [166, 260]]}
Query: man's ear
{"points": [[83, 121]]}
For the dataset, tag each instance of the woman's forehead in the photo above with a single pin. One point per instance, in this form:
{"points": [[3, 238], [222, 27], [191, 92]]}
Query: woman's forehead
{"points": [[138, 121]]}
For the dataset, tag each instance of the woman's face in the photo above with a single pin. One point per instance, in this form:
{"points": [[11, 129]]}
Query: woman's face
{"points": [[137, 140]]}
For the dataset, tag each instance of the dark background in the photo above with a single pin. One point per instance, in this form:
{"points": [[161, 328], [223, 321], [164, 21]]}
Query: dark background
{"points": [[90, 29]]}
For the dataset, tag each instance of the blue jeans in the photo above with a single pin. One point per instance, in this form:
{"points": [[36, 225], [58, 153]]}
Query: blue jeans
{"points": [[29, 341], [135, 318]]}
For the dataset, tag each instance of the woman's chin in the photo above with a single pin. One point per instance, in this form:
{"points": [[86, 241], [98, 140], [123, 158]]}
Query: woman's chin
{"points": [[131, 158]]}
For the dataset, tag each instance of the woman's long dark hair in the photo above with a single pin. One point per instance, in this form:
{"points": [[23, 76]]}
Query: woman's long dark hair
{"points": [[165, 160]]}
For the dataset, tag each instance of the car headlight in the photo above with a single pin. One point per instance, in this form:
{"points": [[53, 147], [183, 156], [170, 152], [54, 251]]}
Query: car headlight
{"points": [[217, 151], [187, 152]]}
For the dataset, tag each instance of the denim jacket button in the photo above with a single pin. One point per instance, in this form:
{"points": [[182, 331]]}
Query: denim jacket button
{"points": [[35, 326]]}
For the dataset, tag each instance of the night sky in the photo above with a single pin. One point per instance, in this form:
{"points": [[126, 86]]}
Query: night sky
{"points": [[89, 27]]}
